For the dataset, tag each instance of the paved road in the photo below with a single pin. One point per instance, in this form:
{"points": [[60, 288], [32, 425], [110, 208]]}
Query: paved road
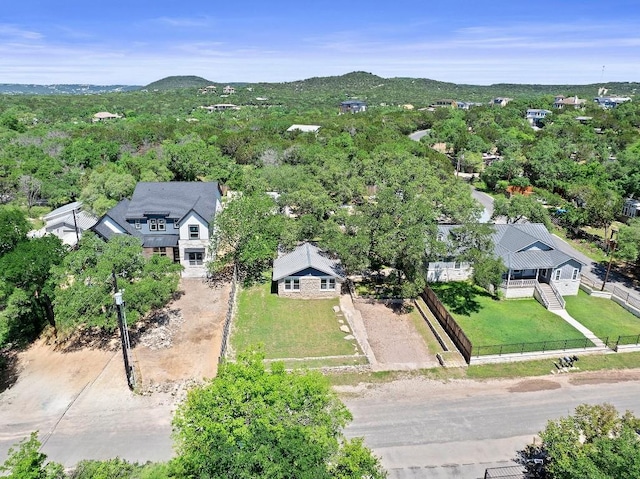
{"points": [[416, 135], [458, 433]]}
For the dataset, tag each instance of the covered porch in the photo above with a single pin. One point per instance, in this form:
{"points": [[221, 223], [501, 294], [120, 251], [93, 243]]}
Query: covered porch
{"points": [[521, 283]]}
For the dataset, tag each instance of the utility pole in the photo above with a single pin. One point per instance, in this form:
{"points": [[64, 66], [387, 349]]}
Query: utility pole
{"points": [[124, 335], [75, 226], [613, 250]]}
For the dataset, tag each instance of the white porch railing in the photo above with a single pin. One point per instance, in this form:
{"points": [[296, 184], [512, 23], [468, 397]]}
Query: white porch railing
{"points": [[557, 294], [519, 283], [540, 296]]}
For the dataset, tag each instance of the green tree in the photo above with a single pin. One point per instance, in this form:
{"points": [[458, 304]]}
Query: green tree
{"points": [[25, 280], [520, 207], [628, 247], [247, 235], [252, 423], [13, 229], [27, 462], [83, 295], [596, 442]]}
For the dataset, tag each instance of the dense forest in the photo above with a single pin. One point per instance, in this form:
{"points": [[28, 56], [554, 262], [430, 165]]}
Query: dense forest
{"points": [[359, 186]]}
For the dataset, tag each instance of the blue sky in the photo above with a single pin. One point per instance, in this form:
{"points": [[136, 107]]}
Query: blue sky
{"points": [[476, 42]]}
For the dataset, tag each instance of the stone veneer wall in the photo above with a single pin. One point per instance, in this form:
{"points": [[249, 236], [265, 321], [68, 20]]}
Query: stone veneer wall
{"points": [[309, 288], [567, 287]]}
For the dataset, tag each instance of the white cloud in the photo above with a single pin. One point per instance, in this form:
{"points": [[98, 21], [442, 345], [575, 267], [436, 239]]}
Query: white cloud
{"points": [[15, 32]]}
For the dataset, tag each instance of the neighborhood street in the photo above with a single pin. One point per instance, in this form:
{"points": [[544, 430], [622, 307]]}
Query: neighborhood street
{"points": [[426, 429]]}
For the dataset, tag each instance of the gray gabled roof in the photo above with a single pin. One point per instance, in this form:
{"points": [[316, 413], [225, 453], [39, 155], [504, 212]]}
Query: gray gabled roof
{"points": [[117, 215], [522, 245], [174, 199], [303, 257], [63, 210]]}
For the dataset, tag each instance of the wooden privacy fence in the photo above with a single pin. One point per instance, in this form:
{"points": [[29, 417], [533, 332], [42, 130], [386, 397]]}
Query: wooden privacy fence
{"points": [[227, 320], [447, 322]]}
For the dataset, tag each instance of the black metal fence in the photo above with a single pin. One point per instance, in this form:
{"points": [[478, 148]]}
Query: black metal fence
{"points": [[533, 347], [227, 320], [626, 341], [627, 297], [451, 327]]}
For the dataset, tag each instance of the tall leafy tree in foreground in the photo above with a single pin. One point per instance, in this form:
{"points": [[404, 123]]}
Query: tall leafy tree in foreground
{"points": [[25, 461], [252, 423], [596, 442]]}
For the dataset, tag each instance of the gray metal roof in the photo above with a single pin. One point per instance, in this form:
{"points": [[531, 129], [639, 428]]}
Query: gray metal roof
{"points": [[64, 209], [306, 256], [160, 241], [522, 245], [174, 199]]}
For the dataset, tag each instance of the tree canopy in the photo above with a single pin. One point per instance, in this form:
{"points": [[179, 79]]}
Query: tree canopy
{"points": [[253, 423], [595, 442], [84, 284]]}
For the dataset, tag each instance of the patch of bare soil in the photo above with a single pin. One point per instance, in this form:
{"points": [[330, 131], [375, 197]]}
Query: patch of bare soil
{"points": [[392, 335], [605, 377], [531, 385], [182, 342]]}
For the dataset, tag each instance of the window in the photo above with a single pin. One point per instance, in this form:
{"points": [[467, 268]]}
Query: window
{"points": [[195, 259], [162, 251], [176, 225], [574, 275], [137, 224], [457, 265], [292, 285], [194, 232], [328, 284], [161, 224], [556, 274], [153, 225]]}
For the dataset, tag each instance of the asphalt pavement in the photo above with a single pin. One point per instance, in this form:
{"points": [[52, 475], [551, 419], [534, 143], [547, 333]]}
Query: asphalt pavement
{"points": [[461, 432]]}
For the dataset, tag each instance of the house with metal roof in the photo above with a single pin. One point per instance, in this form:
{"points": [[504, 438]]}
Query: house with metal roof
{"points": [[67, 222], [353, 106], [173, 219], [304, 128], [535, 266], [307, 272]]}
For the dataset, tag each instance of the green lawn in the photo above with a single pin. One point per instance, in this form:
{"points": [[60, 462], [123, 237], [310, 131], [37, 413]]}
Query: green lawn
{"points": [[289, 328], [604, 317], [488, 322]]}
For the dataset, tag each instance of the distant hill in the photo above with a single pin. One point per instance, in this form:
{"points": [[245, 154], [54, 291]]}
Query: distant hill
{"points": [[62, 89], [178, 82], [331, 90]]}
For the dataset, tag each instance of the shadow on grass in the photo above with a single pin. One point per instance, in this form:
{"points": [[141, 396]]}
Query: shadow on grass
{"points": [[460, 297]]}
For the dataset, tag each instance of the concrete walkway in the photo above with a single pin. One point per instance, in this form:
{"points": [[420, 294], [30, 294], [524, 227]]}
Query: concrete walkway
{"points": [[587, 333], [356, 323]]}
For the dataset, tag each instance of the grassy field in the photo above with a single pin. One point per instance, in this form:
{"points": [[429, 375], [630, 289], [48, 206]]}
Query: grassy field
{"points": [[604, 317], [289, 328], [487, 321]]}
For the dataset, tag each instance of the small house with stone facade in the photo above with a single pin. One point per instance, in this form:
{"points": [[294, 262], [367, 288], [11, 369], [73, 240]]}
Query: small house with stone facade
{"points": [[307, 272]]}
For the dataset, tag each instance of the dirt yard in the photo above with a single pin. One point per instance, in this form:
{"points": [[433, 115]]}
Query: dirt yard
{"points": [[173, 350], [183, 341], [393, 336]]}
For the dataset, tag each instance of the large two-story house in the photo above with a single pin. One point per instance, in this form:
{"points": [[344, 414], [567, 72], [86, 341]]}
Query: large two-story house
{"points": [[173, 219]]}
